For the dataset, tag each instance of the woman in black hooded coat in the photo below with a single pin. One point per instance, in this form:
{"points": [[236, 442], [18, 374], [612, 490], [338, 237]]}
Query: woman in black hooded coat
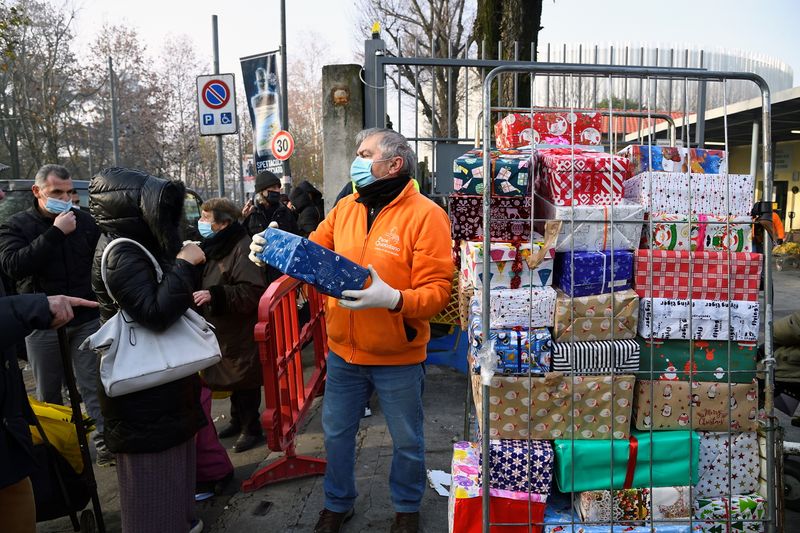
{"points": [[151, 431], [306, 201]]}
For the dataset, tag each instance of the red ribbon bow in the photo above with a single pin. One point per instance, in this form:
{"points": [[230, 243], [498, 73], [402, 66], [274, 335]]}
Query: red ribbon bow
{"points": [[633, 454]]}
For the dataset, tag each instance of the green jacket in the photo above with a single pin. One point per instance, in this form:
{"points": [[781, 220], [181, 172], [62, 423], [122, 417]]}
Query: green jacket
{"points": [[787, 348]]}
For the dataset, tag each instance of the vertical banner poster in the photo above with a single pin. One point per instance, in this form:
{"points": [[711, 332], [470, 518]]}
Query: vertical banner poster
{"points": [[261, 79]]}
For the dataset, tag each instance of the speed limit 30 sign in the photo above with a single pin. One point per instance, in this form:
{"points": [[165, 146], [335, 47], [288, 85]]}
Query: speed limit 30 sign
{"points": [[282, 145]]}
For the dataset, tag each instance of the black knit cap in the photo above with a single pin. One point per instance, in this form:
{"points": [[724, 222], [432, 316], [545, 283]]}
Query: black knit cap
{"points": [[265, 180]]}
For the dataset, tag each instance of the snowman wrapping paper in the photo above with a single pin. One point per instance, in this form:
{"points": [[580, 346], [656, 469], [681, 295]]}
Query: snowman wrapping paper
{"points": [[307, 261], [517, 129], [596, 318], [705, 406], [676, 360], [716, 479], [557, 406]]}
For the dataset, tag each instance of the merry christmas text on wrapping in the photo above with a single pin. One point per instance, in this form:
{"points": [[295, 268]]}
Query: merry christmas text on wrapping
{"points": [[666, 274], [567, 177], [596, 317], [590, 228], [669, 192], [666, 318], [672, 360], [557, 406], [674, 405], [302, 259]]}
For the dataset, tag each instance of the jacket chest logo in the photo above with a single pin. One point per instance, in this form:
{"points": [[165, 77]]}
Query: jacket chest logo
{"points": [[389, 242]]}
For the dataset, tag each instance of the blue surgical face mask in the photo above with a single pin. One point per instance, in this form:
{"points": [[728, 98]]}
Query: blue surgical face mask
{"points": [[205, 229], [56, 206], [361, 172]]}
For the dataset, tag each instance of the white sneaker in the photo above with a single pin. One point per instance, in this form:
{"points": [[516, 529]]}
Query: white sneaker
{"points": [[197, 526]]}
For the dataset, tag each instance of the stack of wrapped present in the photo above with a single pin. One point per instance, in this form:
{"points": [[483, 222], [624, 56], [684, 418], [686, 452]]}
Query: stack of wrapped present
{"points": [[620, 356]]}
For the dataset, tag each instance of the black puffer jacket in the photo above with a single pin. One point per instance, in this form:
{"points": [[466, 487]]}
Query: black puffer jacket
{"points": [[19, 315], [308, 207], [132, 204], [40, 258]]}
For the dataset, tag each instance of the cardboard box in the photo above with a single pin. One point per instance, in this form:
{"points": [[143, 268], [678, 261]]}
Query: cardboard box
{"points": [[671, 360], [329, 272], [597, 317], [665, 318], [672, 192], [647, 459], [591, 228], [590, 273], [557, 406], [706, 232], [705, 406], [666, 274]]}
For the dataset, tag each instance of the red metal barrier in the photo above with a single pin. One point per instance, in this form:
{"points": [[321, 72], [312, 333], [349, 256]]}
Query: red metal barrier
{"points": [[287, 394]]}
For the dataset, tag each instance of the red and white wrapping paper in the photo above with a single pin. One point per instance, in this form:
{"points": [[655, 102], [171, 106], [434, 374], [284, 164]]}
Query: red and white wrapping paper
{"points": [[516, 129], [665, 274], [576, 177]]}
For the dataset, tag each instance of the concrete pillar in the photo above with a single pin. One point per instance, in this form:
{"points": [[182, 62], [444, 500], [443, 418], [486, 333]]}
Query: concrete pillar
{"points": [[342, 119]]}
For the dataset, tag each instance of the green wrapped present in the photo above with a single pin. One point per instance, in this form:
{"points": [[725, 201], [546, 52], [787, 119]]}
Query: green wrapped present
{"points": [[746, 514], [671, 360], [583, 465]]}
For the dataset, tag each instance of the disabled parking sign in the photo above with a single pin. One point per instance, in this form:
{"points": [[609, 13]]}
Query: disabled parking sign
{"points": [[216, 104]]}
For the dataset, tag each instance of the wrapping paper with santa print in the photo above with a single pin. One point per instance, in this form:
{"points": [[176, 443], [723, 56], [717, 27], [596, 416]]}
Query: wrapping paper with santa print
{"points": [[666, 274], [715, 475], [665, 318], [659, 503], [573, 177], [521, 465], [518, 351], [645, 460], [672, 360], [705, 406], [673, 159], [589, 228], [669, 192], [596, 357], [556, 406], [464, 503], [596, 318], [516, 129], [511, 173], [508, 264], [706, 232], [588, 273], [509, 218], [510, 308], [745, 512]]}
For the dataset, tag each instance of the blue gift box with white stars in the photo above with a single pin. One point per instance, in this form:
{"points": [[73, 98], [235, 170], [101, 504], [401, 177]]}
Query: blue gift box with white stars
{"points": [[592, 273], [302, 259], [521, 465]]}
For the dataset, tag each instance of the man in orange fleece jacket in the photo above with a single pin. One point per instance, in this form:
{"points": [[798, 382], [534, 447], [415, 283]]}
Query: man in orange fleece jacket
{"points": [[378, 336]]}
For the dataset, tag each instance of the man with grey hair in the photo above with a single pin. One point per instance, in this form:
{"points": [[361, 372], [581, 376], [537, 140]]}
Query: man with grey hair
{"points": [[378, 336], [49, 249]]}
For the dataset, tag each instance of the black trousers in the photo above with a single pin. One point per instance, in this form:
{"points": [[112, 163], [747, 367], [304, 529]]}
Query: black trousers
{"points": [[244, 410]]}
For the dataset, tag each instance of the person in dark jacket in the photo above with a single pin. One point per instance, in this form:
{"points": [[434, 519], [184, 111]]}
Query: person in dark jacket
{"points": [[231, 288], [48, 248], [267, 207], [151, 431], [306, 201], [19, 315]]}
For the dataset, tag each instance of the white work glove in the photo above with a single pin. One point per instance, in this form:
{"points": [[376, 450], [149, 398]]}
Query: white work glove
{"points": [[377, 295], [258, 244]]}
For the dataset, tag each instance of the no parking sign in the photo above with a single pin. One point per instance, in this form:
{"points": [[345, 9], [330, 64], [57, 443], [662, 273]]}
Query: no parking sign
{"points": [[216, 104]]}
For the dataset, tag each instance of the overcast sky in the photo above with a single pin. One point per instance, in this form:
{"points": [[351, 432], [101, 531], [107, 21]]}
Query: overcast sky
{"points": [[249, 26]]}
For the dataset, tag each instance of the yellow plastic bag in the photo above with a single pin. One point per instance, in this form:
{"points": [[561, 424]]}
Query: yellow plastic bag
{"points": [[56, 420]]}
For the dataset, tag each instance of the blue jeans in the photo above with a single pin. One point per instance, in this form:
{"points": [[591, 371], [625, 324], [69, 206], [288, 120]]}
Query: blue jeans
{"points": [[399, 391]]}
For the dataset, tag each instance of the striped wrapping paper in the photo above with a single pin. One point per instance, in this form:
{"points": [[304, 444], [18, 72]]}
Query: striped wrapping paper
{"points": [[621, 355]]}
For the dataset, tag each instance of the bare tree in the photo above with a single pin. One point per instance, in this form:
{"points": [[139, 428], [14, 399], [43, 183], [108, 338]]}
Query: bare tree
{"points": [[431, 28]]}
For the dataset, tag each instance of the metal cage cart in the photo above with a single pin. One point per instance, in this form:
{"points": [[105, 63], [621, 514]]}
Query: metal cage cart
{"points": [[657, 433]]}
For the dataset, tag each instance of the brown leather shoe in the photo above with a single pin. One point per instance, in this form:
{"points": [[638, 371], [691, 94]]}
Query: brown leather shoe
{"points": [[330, 522], [405, 523]]}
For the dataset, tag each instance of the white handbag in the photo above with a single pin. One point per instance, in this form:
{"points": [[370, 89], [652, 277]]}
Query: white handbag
{"points": [[135, 358]]}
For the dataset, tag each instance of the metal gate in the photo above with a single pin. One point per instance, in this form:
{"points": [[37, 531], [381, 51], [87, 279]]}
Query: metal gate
{"points": [[444, 148]]}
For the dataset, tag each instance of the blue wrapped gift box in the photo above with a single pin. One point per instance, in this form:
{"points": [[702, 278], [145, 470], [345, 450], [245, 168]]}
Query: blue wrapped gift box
{"points": [[521, 465], [518, 350], [591, 273], [302, 259]]}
